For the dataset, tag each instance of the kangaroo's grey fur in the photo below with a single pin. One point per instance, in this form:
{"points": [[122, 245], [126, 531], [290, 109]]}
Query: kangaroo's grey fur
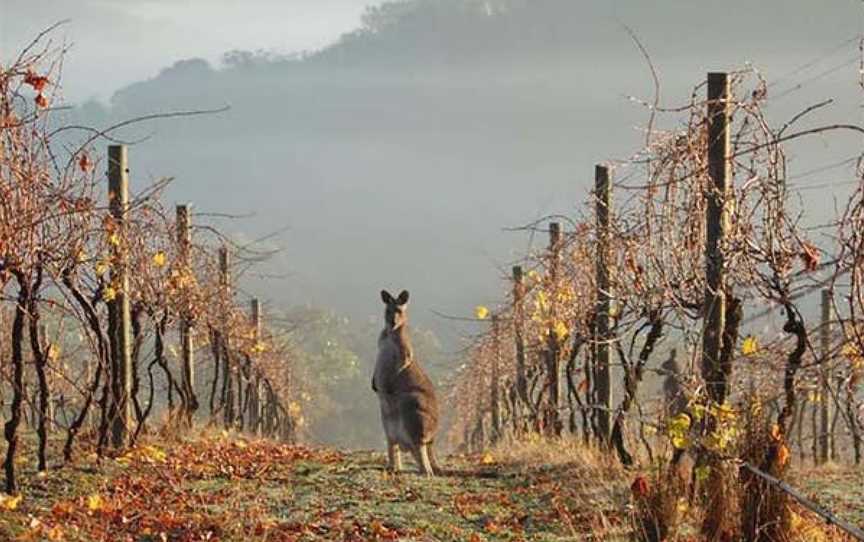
{"points": [[409, 408]]}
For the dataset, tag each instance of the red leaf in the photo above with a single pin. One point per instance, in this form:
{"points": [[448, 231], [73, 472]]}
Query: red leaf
{"points": [[41, 101], [84, 163], [810, 256], [38, 82], [639, 487]]}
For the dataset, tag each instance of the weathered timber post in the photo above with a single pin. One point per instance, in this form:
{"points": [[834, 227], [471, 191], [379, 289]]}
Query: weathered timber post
{"points": [[496, 385], [603, 317], [717, 226], [553, 346], [120, 319], [225, 345], [519, 335], [187, 332], [824, 377], [254, 375], [715, 369]]}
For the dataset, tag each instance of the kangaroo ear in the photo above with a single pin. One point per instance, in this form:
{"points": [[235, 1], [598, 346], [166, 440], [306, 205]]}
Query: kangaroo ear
{"points": [[386, 297], [403, 298]]}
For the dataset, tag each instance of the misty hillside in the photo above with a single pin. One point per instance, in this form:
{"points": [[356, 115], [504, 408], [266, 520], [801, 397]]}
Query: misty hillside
{"points": [[396, 156]]}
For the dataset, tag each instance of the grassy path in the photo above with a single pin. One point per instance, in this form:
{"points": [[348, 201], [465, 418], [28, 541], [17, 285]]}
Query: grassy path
{"points": [[222, 488]]}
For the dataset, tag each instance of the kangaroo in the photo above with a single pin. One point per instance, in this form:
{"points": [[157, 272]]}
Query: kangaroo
{"points": [[409, 408]]}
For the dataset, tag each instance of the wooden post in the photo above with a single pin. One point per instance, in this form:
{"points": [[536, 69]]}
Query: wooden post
{"points": [[603, 322], [187, 332], [255, 377], [824, 377], [519, 335], [227, 389], [717, 226], [120, 319], [496, 370], [553, 347]]}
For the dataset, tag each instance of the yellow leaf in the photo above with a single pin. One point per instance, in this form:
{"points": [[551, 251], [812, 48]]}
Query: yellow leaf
{"points": [[94, 502], [101, 268], [750, 346], [159, 259], [9, 502], [775, 432], [114, 239], [702, 473], [560, 330], [109, 294], [487, 459], [853, 354], [53, 353], [481, 312], [542, 301], [724, 411], [155, 454], [680, 422], [55, 534], [680, 442]]}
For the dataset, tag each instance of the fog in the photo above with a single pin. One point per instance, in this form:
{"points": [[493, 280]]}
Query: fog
{"points": [[397, 154]]}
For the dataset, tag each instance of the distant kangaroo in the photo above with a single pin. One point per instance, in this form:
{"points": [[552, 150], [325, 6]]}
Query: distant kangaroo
{"points": [[409, 409]]}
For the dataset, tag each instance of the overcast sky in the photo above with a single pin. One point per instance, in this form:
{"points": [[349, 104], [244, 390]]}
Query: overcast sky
{"points": [[116, 42]]}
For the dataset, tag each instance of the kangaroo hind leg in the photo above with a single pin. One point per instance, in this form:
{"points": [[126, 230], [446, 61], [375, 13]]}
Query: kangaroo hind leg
{"points": [[433, 460], [421, 456], [394, 458]]}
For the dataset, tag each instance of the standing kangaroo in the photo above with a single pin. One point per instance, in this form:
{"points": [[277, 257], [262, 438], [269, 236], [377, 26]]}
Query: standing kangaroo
{"points": [[409, 409]]}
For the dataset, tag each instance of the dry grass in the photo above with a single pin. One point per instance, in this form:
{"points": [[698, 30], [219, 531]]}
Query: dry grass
{"points": [[535, 449], [590, 487]]}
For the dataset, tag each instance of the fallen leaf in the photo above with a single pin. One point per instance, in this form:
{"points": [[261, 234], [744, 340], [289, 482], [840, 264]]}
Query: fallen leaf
{"points": [[95, 503], [10, 502]]}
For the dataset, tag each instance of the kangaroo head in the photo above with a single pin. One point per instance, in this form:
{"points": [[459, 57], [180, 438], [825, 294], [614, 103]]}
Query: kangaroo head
{"points": [[395, 313]]}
